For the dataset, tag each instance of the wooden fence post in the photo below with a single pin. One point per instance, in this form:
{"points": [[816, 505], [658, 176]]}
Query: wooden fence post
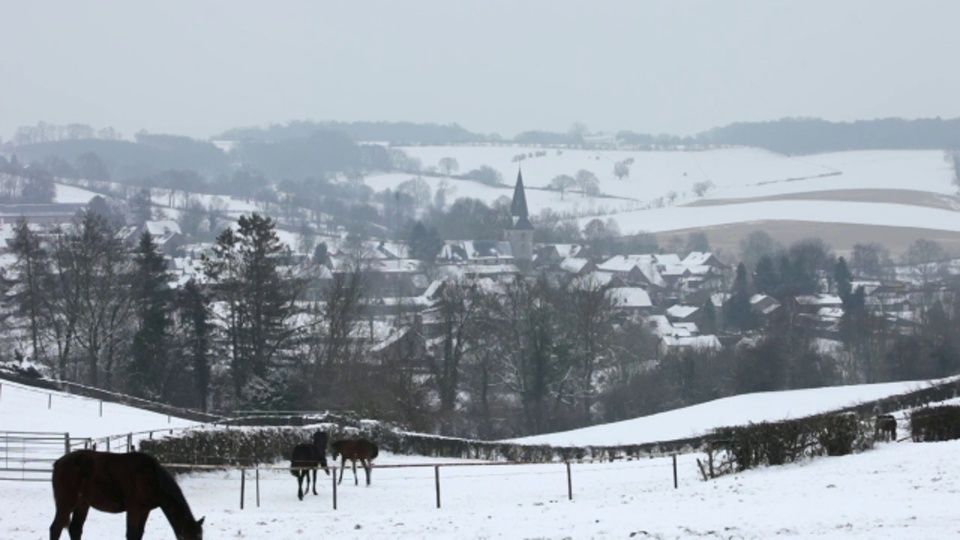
{"points": [[101, 408], [334, 480], [674, 471], [49, 401], [436, 477], [258, 485], [569, 483], [710, 458], [243, 485], [66, 443], [130, 447]]}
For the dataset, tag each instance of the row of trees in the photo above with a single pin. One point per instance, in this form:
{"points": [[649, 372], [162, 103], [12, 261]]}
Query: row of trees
{"points": [[584, 180]]}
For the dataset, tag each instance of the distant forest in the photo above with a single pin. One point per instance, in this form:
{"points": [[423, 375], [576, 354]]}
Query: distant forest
{"points": [[792, 136], [306, 149], [392, 132]]}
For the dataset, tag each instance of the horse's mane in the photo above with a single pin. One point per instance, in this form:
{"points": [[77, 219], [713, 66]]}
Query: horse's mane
{"points": [[169, 488]]}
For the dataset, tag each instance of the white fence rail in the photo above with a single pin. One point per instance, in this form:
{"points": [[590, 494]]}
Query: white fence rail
{"points": [[29, 455]]}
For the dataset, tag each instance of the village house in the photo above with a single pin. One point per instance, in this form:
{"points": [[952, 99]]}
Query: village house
{"points": [[166, 235]]}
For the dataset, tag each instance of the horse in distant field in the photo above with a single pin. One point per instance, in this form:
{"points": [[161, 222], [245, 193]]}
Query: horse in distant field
{"points": [[307, 457], [885, 428], [355, 450], [134, 483]]}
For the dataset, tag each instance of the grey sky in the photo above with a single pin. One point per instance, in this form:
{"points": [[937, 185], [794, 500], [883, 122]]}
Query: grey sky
{"points": [[199, 67]]}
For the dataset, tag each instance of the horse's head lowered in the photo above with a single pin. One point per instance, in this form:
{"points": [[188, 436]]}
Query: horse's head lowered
{"points": [[192, 530]]}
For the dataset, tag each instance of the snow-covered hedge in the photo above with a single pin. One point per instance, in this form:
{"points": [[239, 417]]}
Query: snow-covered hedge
{"points": [[941, 423], [738, 448], [272, 443]]}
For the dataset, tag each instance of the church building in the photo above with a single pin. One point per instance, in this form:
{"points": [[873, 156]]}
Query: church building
{"points": [[520, 232]]}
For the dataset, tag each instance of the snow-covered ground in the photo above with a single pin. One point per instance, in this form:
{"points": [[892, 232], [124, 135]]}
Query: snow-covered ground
{"points": [[899, 490], [661, 184]]}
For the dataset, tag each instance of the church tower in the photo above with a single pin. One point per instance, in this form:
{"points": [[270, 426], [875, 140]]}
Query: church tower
{"points": [[520, 233]]}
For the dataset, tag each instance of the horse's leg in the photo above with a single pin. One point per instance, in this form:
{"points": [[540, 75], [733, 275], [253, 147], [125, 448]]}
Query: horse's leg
{"points": [[300, 485], [76, 523], [315, 481], [343, 467], [59, 522], [354, 463], [136, 523], [366, 468]]}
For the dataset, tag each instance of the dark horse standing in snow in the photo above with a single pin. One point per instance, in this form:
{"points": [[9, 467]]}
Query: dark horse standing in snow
{"points": [[360, 450], [306, 458], [134, 483]]}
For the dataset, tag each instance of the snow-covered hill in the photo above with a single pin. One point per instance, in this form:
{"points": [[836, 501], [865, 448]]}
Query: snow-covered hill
{"points": [[899, 490]]}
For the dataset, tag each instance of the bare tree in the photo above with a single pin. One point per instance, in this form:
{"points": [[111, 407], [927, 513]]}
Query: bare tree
{"points": [[621, 169], [562, 183], [588, 183], [457, 311], [449, 165], [333, 342], [94, 271]]}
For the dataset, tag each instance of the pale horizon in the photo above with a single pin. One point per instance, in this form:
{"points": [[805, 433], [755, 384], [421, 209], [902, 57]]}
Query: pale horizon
{"points": [[198, 69]]}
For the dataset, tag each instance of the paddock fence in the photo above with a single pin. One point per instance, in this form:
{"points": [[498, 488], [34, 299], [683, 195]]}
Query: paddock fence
{"points": [[29, 455], [426, 481]]}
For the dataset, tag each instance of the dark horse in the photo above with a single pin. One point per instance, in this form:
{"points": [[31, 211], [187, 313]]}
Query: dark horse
{"points": [[134, 483], [307, 457], [355, 450], [885, 427]]}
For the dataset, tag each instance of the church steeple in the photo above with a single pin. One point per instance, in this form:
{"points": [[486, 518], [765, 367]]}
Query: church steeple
{"points": [[518, 207], [520, 233]]}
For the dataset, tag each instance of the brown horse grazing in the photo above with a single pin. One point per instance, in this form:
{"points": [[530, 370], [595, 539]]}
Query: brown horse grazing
{"points": [[306, 458], [134, 483], [360, 450]]}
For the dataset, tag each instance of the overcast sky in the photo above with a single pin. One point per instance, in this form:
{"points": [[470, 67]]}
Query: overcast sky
{"points": [[197, 68]]}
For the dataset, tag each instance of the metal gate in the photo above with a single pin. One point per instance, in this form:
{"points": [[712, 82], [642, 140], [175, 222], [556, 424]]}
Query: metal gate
{"points": [[29, 455]]}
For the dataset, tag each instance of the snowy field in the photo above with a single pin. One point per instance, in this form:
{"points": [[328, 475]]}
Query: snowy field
{"points": [[899, 490], [661, 185], [658, 194]]}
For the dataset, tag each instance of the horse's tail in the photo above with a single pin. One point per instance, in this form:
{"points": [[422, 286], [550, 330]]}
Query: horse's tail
{"points": [[374, 450]]}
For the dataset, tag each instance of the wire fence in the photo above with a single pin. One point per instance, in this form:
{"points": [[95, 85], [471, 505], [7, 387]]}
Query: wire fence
{"points": [[429, 480]]}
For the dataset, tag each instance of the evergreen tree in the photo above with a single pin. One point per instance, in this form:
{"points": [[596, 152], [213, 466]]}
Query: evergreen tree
{"points": [[195, 317], [260, 301], [150, 369], [842, 278], [766, 280], [738, 313], [424, 242], [708, 318], [320, 254]]}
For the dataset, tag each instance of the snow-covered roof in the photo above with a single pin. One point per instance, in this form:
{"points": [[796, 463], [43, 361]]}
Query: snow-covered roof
{"points": [[162, 227], [699, 343], [687, 327], [595, 279], [629, 297], [573, 265], [681, 311], [819, 300], [645, 263]]}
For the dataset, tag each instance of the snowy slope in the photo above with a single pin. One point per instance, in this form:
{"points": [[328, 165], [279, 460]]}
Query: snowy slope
{"points": [[899, 490]]}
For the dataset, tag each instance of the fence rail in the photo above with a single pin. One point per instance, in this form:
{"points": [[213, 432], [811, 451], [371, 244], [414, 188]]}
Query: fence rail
{"points": [[29, 455]]}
